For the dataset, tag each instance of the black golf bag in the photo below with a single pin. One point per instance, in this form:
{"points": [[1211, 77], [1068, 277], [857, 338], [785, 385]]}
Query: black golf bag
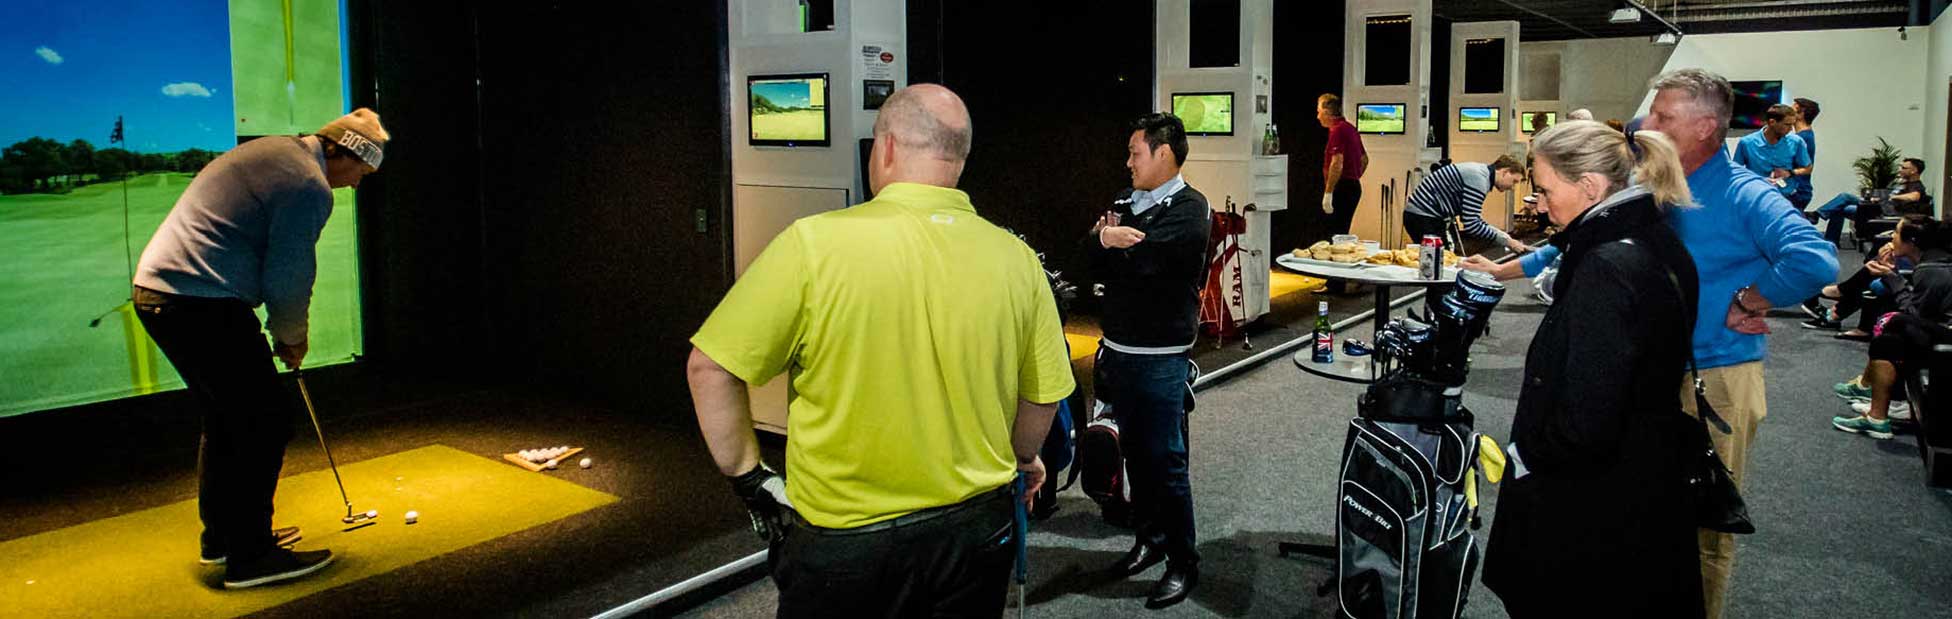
{"points": [[1406, 497], [1403, 519]]}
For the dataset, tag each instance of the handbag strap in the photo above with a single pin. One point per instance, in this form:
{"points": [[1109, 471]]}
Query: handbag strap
{"points": [[1703, 410]]}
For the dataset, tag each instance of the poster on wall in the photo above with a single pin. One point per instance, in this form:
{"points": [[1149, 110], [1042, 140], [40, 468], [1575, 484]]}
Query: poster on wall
{"points": [[877, 62]]}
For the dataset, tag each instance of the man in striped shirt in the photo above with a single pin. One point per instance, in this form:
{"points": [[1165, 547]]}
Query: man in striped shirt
{"points": [[1457, 191]]}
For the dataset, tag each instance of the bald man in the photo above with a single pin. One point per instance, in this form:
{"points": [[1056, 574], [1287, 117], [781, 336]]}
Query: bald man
{"points": [[916, 406]]}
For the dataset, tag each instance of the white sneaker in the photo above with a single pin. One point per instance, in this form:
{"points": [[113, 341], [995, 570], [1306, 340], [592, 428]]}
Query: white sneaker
{"points": [[1899, 411]]}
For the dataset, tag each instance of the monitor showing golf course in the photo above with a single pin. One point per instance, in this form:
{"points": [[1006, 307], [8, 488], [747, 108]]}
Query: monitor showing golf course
{"points": [[1382, 118], [1205, 113], [104, 124], [788, 110], [1477, 119]]}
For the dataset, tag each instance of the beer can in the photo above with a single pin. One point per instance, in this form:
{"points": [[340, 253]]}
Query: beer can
{"points": [[1430, 257]]}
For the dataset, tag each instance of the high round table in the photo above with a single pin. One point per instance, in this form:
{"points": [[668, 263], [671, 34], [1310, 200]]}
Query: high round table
{"points": [[1379, 276]]}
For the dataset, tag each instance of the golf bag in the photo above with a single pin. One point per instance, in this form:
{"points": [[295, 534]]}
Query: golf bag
{"points": [[1404, 518], [1101, 459], [1406, 499]]}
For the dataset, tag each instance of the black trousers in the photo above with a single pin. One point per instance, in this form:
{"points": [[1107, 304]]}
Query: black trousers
{"points": [[1345, 197], [953, 562], [218, 348], [1907, 340], [1850, 300], [1419, 225]]}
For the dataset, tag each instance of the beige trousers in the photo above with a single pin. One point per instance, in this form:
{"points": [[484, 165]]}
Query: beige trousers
{"points": [[1736, 393]]}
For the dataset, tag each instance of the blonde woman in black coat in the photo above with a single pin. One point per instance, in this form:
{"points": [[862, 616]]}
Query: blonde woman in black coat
{"points": [[1598, 521]]}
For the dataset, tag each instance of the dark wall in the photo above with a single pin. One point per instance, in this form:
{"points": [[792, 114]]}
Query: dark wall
{"points": [[420, 218], [1050, 87], [605, 134], [1307, 62]]}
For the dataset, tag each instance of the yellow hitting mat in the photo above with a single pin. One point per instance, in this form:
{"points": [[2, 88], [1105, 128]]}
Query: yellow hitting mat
{"points": [[144, 564], [1282, 283], [1082, 346]]}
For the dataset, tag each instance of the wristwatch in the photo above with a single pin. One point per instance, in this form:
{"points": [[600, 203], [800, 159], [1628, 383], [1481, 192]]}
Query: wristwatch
{"points": [[1740, 294]]}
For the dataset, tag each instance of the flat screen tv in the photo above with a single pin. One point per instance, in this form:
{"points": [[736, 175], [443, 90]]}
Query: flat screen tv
{"points": [[788, 110], [1205, 113], [1525, 120], [1383, 118], [1477, 119], [1752, 100]]}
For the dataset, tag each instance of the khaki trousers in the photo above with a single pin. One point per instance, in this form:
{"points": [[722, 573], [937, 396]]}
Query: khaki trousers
{"points": [[1736, 393]]}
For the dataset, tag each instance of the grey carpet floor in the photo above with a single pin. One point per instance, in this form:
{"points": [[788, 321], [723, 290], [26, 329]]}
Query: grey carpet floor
{"points": [[1847, 527]]}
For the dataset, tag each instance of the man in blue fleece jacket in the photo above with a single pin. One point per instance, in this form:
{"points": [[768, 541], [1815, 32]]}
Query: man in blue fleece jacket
{"points": [[1753, 251]]}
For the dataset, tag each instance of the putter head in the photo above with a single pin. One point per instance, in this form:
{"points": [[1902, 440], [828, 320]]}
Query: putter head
{"points": [[361, 517]]}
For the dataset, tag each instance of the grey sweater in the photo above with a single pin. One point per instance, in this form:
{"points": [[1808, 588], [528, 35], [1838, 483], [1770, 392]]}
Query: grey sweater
{"points": [[246, 228]]}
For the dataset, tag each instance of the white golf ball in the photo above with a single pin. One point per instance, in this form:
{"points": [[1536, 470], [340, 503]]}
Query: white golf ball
{"points": [[412, 517], [585, 463]]}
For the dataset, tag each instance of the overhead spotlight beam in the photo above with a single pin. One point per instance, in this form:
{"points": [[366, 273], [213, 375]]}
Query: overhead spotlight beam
{"points": [[1555, 20]]}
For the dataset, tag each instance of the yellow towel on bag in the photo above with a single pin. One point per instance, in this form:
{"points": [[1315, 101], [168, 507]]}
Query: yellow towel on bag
{"points": [[1491, 460]]}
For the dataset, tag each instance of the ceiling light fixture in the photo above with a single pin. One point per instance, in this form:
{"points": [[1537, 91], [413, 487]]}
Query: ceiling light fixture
{"points": [[1624, 15]]}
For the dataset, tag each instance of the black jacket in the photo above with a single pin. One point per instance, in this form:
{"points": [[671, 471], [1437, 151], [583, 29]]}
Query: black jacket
{"points": [[1602, 526], [1929, 293], [1152, 289]]}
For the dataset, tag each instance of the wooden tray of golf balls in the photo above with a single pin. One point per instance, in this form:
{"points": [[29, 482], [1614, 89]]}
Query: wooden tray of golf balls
{"points": [[541, 458]]}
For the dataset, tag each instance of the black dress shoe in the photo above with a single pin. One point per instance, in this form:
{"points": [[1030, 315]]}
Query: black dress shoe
{"points": [[1173, 587], [1138, 559]]}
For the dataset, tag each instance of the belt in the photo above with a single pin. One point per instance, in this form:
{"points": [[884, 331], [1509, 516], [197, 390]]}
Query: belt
{"points": [[1002, 493]]}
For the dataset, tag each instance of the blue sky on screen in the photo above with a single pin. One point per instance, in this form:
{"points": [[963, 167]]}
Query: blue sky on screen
{"points": [[1477, 113], [69, 68], [784, 94]]}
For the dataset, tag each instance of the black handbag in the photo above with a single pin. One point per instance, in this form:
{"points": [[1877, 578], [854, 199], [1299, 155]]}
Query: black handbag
{"points": [[1718, 504]]}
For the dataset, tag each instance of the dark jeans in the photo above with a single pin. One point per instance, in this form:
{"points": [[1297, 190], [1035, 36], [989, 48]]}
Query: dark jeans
{"points": [[953, 563], [218, 348], [1347, 195], [1148, 395]]}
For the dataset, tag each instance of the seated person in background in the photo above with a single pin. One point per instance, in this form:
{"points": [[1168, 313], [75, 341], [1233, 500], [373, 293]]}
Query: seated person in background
{"points": [[1775, 152], [1457, 191], [1907, 196], [1850, 293], [1906, 337]]}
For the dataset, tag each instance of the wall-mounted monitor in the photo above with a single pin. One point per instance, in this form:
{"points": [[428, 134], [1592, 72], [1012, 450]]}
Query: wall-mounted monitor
{"points": [[1477, 119], [1386, 118], [788, 110], [1752, 100], [1205, 113], [1528, 120]]}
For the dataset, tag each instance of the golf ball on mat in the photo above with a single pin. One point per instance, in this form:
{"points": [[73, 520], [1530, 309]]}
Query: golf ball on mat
{"points": [[585, 463], [413, 517]]}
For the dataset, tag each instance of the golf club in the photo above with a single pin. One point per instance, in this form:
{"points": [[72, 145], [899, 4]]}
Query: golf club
{"points": [[1022, 527], [351, 518]]}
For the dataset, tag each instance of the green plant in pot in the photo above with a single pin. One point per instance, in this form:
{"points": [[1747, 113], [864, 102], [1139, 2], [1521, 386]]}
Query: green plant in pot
{"points": [[1877, 172]]}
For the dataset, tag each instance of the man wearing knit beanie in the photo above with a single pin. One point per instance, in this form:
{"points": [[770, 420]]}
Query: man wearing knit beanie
{"points": [[242, 235]]}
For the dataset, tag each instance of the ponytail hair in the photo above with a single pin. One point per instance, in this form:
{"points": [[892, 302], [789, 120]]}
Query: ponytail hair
{"points": [[1582, 147], [1660, 168]]}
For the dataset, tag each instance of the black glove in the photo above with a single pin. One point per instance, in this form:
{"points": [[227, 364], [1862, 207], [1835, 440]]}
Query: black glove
{"points": [[764, 492]]}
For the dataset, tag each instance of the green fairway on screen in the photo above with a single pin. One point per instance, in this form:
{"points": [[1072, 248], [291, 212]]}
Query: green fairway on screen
{"points": [[77, 205], [1205, 114], [1477, 119], [1379, 118], [789, 110]]}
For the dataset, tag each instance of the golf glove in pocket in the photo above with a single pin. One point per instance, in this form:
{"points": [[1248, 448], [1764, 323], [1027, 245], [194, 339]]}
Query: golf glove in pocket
{"points": [[764, 493]]}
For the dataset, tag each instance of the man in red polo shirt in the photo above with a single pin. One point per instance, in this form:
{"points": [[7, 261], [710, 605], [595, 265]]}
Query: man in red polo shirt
{"points": [[1342, 164]]}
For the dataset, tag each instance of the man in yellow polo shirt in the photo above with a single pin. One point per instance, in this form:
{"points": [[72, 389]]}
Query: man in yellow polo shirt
{"points": [[927, 361]]}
